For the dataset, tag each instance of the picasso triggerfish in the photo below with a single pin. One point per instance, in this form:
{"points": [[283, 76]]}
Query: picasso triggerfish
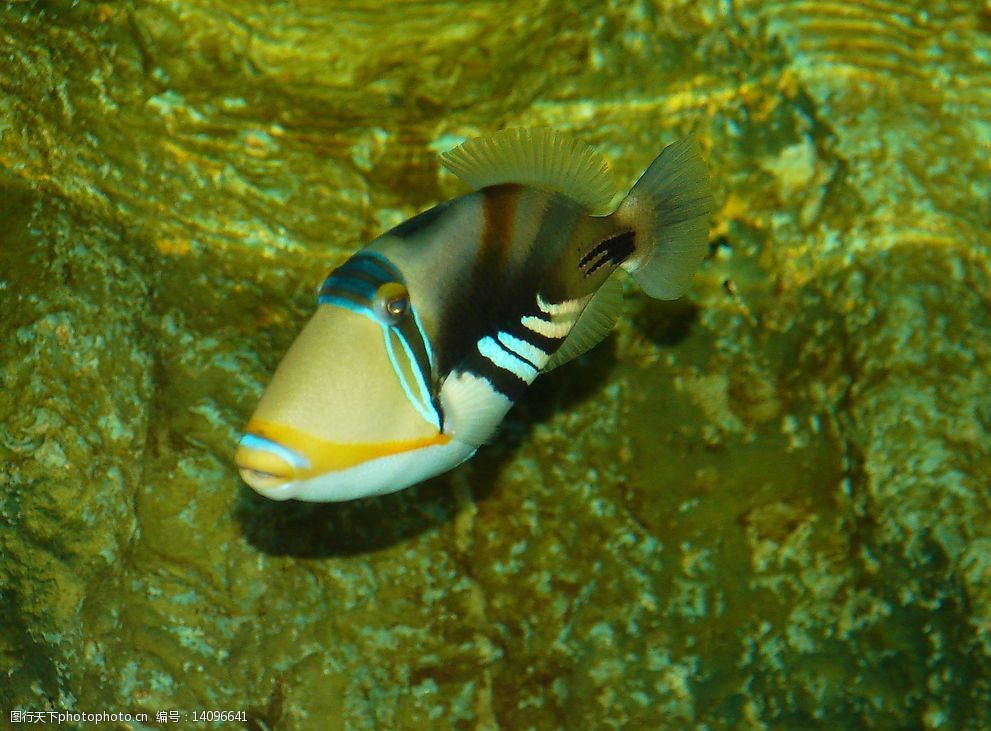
{"points": [[424, 339]]}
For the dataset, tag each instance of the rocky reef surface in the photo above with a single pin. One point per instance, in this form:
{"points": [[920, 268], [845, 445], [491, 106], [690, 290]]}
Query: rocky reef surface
{"points": [[766, 506]]}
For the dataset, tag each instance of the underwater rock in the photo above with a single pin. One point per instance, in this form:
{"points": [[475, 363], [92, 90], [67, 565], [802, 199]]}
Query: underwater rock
{"points": [[763, 506]]}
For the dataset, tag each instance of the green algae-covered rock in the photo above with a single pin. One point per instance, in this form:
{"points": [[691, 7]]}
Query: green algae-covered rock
{"points": [[763, 506]]}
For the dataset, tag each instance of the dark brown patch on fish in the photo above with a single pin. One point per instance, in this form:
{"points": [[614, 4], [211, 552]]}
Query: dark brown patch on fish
{"points": [[499, 205]]}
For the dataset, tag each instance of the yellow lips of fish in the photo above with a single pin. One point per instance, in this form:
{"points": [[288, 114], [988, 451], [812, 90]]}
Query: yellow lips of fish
{"points": [[272, 455]]}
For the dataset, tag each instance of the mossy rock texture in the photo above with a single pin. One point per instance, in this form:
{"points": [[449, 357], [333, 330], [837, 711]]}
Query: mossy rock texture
{"points": [[764, 506]]}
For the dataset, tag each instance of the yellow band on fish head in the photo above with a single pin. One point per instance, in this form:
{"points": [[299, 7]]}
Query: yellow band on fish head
{"points": [[271, 455]]}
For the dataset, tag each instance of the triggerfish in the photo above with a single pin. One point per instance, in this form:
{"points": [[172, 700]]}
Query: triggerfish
{"points": [[424, 339]]}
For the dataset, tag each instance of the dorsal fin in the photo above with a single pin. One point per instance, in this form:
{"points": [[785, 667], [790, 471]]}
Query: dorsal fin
{"points": [[540, 158], [595, 322]]}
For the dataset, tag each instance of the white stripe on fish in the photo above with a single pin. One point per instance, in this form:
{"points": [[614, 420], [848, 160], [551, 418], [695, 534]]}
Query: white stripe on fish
{"points": [[525, 350], [505, 359]]}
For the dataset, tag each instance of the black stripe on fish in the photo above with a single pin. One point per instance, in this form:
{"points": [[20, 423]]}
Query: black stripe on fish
{"points": [[498, 285], [546, 343], [328, 294], [358, 287], [374, 266], [410, 332], [359, 275], [514, 354], [420, 221], [502, 380], [614, 250], [482, 293]]}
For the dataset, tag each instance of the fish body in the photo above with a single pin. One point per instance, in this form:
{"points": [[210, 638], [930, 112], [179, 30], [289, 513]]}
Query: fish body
{"points": [[426, 337]]}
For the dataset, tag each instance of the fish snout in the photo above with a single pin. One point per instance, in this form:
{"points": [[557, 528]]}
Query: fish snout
{"points": [[266, 465]]}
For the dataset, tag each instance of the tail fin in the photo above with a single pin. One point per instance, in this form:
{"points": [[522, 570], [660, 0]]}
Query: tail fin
{"points": [[669, 209]]}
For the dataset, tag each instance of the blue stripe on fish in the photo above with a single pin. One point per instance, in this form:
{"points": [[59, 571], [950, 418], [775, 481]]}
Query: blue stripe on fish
{"points": [[335, 284], [374, 265], [261, 444], [361, 275], [422, 401], [424, 396]]}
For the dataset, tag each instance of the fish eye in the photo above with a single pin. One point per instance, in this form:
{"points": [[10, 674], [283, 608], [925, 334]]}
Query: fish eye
{"points": [[392, 303]]}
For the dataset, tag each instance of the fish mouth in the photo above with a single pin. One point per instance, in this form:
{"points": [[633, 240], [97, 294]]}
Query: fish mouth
{"points": [[266, 466], [282, 462]]}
